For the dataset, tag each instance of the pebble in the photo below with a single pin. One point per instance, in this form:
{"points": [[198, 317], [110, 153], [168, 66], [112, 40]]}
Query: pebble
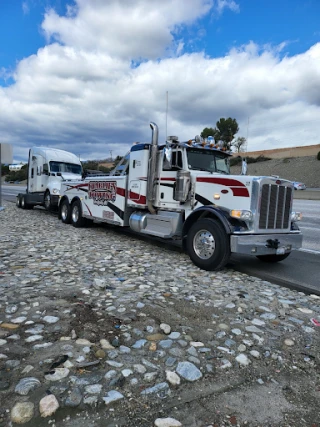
{"points": [[48, 405], [123, 301], [167, 422], [188, 371], [22, 412], [112, 396]]}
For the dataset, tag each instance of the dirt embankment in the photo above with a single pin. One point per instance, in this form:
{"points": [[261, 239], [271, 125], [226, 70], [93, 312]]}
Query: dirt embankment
{"points": [[304, 169]]}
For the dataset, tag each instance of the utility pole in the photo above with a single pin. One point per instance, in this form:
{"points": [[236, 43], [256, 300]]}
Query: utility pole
{"points": [[111, 154]]}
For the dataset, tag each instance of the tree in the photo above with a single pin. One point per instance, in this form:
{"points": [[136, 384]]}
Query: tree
{"points": [[227, 128], [239, 144], [208, 132]]}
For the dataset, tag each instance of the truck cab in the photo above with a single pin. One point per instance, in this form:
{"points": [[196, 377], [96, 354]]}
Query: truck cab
{"points": [[47, 168]]}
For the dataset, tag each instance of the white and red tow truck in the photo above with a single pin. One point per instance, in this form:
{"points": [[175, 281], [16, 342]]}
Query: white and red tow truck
{"points": [[184, 190]]}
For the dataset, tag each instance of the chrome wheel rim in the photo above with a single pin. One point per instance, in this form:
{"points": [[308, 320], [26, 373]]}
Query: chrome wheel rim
{"points": [[22, 202], [75, 213], [64, 212], [204, 244]]}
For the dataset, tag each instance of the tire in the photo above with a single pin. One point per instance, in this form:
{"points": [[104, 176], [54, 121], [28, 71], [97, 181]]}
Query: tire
{"points": [[208, 244], [47, 201], [273, 257], [24, 204], [76, 217], [18, 201], [65, 212]]}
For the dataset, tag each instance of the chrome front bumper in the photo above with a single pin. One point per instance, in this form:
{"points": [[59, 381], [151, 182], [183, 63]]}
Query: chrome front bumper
{"points": [[257, 244]]}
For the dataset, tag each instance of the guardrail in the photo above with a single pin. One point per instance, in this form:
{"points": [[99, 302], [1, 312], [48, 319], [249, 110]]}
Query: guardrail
{"points": [[307, 194]]}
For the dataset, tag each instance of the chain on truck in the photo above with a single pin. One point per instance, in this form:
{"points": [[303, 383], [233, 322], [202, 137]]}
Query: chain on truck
{"points": [[184, 190]]}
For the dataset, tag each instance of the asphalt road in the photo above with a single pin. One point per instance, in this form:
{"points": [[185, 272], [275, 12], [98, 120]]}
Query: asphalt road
{"points": [[301, 270]]}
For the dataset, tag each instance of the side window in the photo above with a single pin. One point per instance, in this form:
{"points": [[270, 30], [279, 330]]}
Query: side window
{"points": [[45, 169], [32, 172]]}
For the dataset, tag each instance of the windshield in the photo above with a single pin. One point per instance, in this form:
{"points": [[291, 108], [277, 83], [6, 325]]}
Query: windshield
{"points": [[65, 167], [211, 161]]}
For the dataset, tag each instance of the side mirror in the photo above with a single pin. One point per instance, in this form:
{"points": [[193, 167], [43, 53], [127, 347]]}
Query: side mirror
{"points": [[167, 156]]}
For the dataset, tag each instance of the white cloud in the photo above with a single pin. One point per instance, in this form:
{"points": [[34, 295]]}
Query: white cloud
{"points": [[25, 8], [87, 92]]}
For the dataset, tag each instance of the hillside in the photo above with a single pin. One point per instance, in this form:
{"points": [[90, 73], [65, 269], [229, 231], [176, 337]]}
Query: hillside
{"points": [[304, 169]]}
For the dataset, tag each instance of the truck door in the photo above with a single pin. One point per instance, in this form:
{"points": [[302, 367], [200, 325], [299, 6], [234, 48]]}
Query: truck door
{"points": [[35, 174], [167, 181]]}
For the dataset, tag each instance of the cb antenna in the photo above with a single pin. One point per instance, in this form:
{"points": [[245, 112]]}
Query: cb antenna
{"points": [[167, 102]]}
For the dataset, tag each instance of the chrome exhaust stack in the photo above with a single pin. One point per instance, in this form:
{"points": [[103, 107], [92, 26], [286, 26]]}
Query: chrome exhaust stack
{"points": [[152, 168]]}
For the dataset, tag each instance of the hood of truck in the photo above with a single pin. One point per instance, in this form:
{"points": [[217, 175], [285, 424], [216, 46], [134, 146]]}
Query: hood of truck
{"points": [[228, 191], [69, 175]]}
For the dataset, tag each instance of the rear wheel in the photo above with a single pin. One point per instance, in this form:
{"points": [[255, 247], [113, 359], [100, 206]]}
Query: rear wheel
{"points": [[65, 212], [77, 219], [24, 204], [273, 257], [208, 244], [18, 201]]}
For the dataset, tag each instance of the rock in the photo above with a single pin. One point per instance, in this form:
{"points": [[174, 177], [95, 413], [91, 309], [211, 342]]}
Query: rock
{"points": [[22, 412], [51, 319], [105, 344], [74, 398], [165, 328], [173, 378], [112, 396], [93, 389], [155, 389], [188, 371], [242, 359], [289, 342], [156, 337], [10, 326], [48, 405], [100, 354], [26, 384], [58, 374], [167, 422]]}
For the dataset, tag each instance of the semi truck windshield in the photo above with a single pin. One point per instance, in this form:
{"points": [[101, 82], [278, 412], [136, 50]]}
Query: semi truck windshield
{"points": [[211, 161], [65, 167]]}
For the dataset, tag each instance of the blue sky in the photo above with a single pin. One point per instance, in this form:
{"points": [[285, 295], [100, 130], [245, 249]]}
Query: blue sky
{"points": [[67, 77]]}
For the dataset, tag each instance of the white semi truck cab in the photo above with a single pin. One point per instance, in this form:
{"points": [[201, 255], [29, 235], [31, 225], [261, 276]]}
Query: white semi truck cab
{"points": [[184, 190], [47, 168]]}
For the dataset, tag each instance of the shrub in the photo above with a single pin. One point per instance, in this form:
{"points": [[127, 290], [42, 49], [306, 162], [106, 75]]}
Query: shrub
{"points": [[318, 156], [286, 160]]}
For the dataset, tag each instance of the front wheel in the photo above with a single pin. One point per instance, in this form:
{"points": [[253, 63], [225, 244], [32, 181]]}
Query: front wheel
{"points": [[47, 201], [77, 219], [273, 257], [208, 244]]}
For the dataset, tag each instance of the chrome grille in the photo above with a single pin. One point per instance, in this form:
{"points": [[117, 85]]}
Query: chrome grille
{"points": [[275, 207]]}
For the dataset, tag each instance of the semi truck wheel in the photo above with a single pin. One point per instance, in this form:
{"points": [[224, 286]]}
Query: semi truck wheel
{"points": [[77, 219], [65, 212], [273, 257], [208, 244], [18, 202], [24, 204], [47, 201]]}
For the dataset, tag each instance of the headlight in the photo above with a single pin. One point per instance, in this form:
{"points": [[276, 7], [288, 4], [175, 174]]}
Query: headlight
{"points": [[241, 214], [55, 191], [296, 216]]}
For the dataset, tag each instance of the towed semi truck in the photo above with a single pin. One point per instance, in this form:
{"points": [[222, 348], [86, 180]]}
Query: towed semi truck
{"points": [[47, 168], [184, 190]]}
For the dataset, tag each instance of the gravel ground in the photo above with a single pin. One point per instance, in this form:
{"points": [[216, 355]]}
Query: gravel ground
{"points": [[303, 169], [100, 328]]}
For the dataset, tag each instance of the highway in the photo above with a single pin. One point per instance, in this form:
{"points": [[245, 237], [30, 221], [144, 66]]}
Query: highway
{"points": [[301, 270]]}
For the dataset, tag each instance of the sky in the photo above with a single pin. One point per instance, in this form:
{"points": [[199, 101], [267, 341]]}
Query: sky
{"points": [[89, 76]]}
